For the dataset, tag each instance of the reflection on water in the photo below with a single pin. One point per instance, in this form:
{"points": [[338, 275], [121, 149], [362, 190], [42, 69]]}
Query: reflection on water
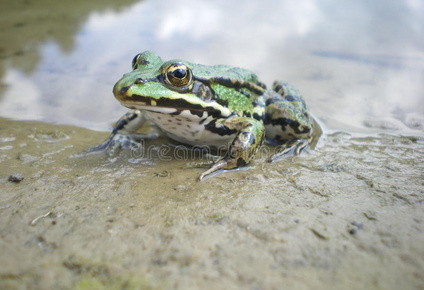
{"points": [[359, 64]]}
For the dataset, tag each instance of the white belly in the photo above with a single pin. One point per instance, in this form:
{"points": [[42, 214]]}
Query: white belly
{"points": [[186, 128]]}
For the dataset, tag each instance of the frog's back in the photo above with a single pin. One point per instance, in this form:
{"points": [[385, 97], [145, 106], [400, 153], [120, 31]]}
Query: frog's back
{"points": [[236, 88], [223, 71]]}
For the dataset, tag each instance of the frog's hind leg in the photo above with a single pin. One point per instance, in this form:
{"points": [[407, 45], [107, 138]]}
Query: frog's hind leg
{"points": [[124, 134], [287, 121]]}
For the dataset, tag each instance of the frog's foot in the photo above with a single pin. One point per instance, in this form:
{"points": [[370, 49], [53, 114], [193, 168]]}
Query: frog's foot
{"points": [[115, 142], [292, 146], [214, 163], [124, 135], [248, 140]]}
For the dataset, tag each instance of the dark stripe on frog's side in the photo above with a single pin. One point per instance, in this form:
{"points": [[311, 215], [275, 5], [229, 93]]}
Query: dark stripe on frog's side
{"points": [[182, 104], [197, 113], [288, 98], [258, 117], [284, 122], [221, 130], [296, 101], [258, 88]]}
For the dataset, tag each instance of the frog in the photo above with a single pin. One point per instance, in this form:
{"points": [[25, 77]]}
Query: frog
{"points": [[219, 106]]}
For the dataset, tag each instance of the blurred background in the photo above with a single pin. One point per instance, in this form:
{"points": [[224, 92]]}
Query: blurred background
{"points": [[359, 64]]}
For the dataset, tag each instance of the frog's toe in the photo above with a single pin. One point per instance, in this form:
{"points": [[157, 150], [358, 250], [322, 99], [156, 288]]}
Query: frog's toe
{"points": [[99, 148], [221, 164], [294, 146]]}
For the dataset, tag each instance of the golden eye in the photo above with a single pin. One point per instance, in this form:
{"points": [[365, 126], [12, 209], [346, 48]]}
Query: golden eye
{"points": [[178, 75]]}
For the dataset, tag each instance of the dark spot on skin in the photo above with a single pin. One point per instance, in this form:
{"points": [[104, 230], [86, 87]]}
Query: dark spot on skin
{"points": [[178, 119], [284, 122], [188, 126], [197, 113], [289, 98], [247, 114], [262, 85], [132, 116], [272, 101], [173, 128], [241, 162], [257, 117], [159, 117], [179, 123], [279, 89], [244, 93], [169, 120], [222, 130]]}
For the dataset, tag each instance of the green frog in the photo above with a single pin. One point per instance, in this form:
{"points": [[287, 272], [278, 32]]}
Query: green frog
{"points": [[216, 106]]}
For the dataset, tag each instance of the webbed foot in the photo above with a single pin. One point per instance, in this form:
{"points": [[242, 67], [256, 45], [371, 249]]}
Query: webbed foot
{"points": [[124, 135], [293, 146], [116, 142]]}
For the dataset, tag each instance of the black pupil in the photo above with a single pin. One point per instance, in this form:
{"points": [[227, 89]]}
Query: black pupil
{"points": [[179, 73]]}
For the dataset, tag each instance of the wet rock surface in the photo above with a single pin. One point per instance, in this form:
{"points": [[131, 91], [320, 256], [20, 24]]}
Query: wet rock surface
{"points": [[347, 215]]}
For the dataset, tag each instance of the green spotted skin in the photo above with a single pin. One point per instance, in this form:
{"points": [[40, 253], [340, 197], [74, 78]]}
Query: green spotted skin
{"points": [[217, 106]]}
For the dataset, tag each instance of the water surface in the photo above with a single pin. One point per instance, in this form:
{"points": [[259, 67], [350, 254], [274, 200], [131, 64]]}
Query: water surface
{"points": [[360, 65]]}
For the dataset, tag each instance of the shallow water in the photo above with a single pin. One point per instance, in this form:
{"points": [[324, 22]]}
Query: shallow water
{"points": [[347, 215], [359, 65]]}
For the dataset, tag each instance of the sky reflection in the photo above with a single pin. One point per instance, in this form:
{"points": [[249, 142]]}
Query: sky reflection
{"points": [[359, 64]]}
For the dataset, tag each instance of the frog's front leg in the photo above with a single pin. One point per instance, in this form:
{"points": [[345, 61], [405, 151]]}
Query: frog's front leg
{"points": [[124, 134], [250, 136]]}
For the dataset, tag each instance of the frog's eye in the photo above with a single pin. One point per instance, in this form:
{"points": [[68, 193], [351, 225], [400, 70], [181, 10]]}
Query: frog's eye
{"points": [[135, 61], [178, 75]]}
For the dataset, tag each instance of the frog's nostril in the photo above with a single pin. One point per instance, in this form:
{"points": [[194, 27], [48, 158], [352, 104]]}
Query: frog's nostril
{"points": [[140, 81]]}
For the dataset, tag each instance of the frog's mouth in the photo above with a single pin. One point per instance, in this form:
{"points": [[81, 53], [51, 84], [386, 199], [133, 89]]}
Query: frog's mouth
{"points": [[171, 105]]}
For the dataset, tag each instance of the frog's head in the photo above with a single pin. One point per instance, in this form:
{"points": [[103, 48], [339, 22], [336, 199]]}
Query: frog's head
{"points": [[165, 87]]}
